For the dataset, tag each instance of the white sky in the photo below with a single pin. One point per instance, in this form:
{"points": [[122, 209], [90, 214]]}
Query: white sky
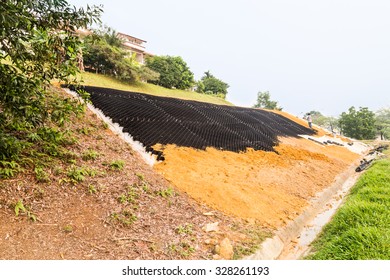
{"points": [[324, 55]]}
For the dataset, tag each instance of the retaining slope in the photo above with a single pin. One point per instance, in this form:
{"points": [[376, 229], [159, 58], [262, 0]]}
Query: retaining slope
{"points": [[161, 120]]}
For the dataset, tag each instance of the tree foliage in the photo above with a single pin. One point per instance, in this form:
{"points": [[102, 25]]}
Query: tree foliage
{"points": [[318, 118], [211, 85], [264, 101], [382, 123], [173, 70], [38, 44], [104, 53], [358, 124]]}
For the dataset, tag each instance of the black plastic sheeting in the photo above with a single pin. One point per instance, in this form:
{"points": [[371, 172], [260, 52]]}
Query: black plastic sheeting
{"points": [[152, 119]]}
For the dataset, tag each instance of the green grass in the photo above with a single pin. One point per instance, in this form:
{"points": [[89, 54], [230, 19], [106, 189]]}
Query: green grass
{"points": [[98, 80], [360, 230]]}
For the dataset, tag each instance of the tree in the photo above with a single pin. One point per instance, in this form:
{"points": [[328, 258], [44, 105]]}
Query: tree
{"points": [[104, 53], [38, 44], [211, 85], [173, 70], [382, 123], [358, 124], [264, 101], [318, 118]]}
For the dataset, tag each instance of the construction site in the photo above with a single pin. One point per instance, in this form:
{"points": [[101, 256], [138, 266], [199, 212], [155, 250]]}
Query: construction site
{"points": [[266, 167]]}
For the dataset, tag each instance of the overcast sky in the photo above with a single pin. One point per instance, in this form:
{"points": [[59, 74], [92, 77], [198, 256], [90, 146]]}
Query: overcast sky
{"points": [[319, 55]]}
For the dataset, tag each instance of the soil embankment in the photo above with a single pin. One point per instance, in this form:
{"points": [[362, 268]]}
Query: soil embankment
{"points": [[269, 188]]}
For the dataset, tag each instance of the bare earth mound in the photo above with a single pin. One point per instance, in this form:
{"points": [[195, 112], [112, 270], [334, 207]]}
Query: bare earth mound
{"points": [[264, 186]]}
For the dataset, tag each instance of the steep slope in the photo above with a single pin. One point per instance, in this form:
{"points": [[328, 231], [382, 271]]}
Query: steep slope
{"points": [[102, 201], [223, 156]]}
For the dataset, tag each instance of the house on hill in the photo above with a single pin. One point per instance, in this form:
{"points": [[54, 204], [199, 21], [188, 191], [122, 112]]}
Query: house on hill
{"points": [[134, 45], [129, 43]]}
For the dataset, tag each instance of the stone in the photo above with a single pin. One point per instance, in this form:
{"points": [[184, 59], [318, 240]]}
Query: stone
{"points": [[226, 249], [208, 214], [211, 227]]}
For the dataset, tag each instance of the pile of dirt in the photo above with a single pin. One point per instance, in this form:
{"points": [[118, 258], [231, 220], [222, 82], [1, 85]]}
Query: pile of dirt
{"points": [[270, 188]]}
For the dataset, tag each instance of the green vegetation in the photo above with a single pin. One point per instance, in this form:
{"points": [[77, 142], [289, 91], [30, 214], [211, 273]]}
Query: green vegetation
{"points": [[264, 101], [90, 155], [358, 124], [41, 175], [382, 123], [173, 72], [77, 174], [9, 169], [37, 45], [255, 236], [182, 248], [184, 229], [68, 229], [361, 227], [125, 218], [117, 164], [21, 208], [104, 54], [209, 84], [166, 192], [318, 118], [92, 189], [99, 80], [130, 196]]}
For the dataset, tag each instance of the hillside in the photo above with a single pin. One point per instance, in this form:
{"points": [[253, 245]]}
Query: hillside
{"points": [[102, 201], [99, 80]]}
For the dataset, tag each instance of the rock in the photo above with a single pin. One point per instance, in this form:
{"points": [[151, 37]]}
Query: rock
{"points": [[225, 249], [208, 214], [211, 241], [217, 249], [211, 227]]}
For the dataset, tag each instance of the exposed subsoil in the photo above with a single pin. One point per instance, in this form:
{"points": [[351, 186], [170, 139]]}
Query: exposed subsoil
{"points": [[264, 186]]}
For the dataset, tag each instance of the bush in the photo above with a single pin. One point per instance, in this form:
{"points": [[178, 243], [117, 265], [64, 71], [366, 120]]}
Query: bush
{"points": [[38, 44], [173, 72]]}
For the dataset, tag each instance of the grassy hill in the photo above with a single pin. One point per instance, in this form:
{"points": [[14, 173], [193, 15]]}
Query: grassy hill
{"points": [[99, 80]]}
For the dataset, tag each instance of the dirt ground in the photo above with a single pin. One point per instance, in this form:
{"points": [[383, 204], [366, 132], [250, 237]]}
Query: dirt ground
{"points": [[264, 186]]}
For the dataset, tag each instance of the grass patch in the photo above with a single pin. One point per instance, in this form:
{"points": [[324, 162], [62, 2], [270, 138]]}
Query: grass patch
{"points": [[124, 218], [90, 155], [360, 230], [117, 165], [169, 192], [99, 80], [255, 236]]}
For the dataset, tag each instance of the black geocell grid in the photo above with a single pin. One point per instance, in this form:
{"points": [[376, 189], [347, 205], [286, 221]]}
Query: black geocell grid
{"points": [[162, 120]]}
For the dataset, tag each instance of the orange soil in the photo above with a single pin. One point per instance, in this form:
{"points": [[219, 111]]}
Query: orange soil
{"points": [[256, 185]]}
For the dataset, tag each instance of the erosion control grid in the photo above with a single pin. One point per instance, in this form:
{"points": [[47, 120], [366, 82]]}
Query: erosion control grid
{"points": [[162, 120]]}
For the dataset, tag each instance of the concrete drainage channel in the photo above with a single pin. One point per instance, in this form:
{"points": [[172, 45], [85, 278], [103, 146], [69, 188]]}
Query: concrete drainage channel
{"points": [[293, 241]]}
